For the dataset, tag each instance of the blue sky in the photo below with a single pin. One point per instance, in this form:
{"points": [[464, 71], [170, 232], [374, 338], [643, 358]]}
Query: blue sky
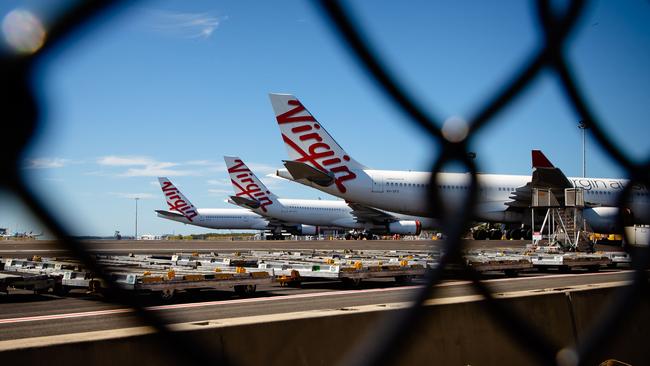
{"points": [[169, 87]]}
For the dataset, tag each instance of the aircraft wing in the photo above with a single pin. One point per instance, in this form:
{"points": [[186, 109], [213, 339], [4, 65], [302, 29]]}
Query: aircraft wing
{"points": [[273, 222], [522, 197], [252, 204], [363, 213]]}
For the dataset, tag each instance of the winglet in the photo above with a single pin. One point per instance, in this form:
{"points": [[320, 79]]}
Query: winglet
{"points": [[540, 160]]}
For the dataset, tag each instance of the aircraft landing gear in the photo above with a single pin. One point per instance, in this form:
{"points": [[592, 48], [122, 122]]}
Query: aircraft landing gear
{"points": [[480, 234], [514, 234], [495, 234]]}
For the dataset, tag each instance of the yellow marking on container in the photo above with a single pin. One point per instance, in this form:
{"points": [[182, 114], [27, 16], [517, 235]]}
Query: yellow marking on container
{"points": [[152, 279], [194, 277]]}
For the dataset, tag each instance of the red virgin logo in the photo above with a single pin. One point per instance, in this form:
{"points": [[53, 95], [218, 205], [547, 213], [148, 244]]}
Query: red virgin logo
{"points": [[176, 203], [318, 154], [247, 186]]}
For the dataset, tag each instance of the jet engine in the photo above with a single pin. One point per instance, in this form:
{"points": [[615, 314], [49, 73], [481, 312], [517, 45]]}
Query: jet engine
{"points": [[602, 219], [307, 230], [405, 227]]}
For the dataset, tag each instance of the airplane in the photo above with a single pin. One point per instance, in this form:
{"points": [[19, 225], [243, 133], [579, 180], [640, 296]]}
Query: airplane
{"points": [[182, 210], [365, 221], [4, 233], [318, 161]]}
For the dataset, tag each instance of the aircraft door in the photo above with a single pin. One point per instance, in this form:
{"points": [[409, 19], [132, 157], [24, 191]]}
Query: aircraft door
{"points": [[377, 183]]}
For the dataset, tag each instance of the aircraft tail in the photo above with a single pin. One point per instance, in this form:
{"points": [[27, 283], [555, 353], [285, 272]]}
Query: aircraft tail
{"points": [[176, 200], [248, 188], [540, 160], [308, 142]]}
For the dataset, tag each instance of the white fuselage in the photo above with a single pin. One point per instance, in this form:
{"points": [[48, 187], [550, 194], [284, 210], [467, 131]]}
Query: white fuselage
{"points": [[406, 192], [223, 218], [327, 213]]}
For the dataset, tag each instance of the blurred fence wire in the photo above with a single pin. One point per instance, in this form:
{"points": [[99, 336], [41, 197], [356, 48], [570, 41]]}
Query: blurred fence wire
{"points": [[384, 345], [556, 27]]}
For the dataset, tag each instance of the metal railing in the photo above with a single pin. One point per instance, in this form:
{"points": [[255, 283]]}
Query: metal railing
{"points": [[383, 345]]}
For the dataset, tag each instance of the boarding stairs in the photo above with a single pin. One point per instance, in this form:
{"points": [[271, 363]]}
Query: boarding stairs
{"points": [[562, 221]]}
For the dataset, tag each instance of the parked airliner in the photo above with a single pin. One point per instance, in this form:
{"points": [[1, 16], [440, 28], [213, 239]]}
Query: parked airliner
{"points": [[317, 160], [251, 193], [182, 210]]}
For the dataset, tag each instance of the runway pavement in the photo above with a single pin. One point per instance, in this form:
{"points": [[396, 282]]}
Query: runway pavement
{"points": [[53, 248], [24, 315]]}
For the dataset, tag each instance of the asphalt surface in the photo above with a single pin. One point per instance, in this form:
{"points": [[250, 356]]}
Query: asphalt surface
{"points": [[52, 248], [24, 314]]}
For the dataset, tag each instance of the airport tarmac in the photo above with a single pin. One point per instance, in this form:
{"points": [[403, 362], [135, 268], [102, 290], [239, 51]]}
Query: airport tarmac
{"points": [[18, 248], [25, 315]]}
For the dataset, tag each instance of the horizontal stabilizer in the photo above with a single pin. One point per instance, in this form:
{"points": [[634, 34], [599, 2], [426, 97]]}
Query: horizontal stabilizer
{"points": [[245, 202], [299, 170], [169, 214]]}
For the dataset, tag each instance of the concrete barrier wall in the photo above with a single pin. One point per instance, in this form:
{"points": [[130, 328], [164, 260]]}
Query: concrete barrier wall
{"points": [[453, 332], [629, 339]]}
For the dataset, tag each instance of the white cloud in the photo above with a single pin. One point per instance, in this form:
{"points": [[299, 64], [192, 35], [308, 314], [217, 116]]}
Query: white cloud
{"points": [[201, 162], [220, 182], [186, 25], [261, 169], [220, 192], [142, 196], [271, 183], [46, 163], [143, 166], [208, 165], [113, 160], [157, 170]]}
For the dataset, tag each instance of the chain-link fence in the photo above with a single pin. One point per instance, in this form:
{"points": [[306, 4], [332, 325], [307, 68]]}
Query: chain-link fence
{"points": [[389, 339]]}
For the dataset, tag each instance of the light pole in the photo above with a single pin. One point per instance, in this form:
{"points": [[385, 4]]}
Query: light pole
{"points": [[583, 126], [136, 217]]}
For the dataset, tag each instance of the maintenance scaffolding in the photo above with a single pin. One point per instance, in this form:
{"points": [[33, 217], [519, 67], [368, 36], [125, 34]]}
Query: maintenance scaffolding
{"points": [[563, 224]]}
